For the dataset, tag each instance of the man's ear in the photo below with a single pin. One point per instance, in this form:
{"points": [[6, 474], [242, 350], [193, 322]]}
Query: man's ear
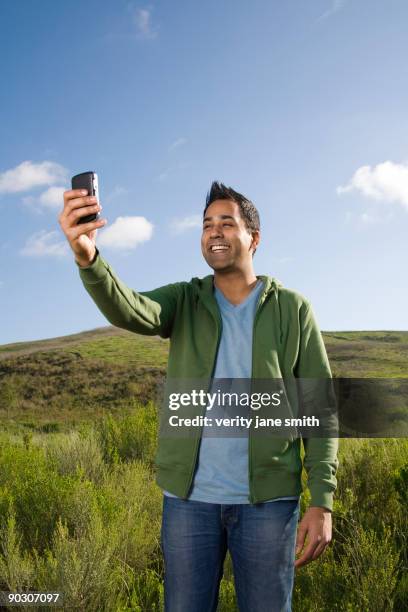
{"points": [[256, 239]]}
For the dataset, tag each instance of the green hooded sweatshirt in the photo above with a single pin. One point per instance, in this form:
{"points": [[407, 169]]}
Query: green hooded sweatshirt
{"points": [[287, 344]]}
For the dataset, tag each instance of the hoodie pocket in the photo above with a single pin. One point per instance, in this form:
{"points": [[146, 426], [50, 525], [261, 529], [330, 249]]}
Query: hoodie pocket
{"points": [[283, 460]]}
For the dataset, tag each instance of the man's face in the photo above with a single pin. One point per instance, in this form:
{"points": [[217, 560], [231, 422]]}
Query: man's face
{"points": [[226, 243]]}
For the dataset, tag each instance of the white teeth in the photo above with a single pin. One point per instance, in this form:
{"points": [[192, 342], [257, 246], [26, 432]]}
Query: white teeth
{"points": [[219, 247]]}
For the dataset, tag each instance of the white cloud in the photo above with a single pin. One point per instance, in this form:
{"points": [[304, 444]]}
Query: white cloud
{"points": [[45, 243], [29, 175], [177, 143], [126, 233], [178, 226], [386, 182], [52, 198], [143, 21], [336, 5]]}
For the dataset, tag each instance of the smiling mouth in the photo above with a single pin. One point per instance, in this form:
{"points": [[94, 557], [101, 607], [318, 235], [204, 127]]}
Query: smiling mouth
{"points": [[219, 248]]}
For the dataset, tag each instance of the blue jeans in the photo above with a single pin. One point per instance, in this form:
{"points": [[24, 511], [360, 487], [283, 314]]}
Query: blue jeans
{"points": [[261, 539]]}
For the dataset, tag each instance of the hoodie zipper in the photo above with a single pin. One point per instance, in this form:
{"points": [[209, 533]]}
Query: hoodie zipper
{"points": [[261, 302], [201, 430]]}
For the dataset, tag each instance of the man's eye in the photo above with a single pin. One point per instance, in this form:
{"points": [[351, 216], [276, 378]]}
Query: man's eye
{"points": [[206, 227]]}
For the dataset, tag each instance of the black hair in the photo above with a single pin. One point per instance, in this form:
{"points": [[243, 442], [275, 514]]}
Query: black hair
{"points": [[249, 212]]}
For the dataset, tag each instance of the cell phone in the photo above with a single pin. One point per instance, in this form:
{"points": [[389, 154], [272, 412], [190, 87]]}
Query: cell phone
{"points": [[88, 181]]}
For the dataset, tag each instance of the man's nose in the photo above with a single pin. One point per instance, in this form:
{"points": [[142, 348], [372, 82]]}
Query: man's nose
{"points": [[216, 231]]}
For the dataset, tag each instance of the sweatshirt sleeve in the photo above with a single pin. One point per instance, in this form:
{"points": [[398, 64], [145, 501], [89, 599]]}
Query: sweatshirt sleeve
{"points": [[320, 459], [147, 312]]}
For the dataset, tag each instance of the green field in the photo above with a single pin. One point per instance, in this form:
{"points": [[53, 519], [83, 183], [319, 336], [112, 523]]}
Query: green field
{"points": [[79, 509]]}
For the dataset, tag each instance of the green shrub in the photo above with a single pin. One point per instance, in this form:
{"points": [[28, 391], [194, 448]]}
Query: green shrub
{"points": [[366, 470], [39, 494], [17, 569], [136, 515], [148, 593], [96, 548], [131, 437], [75, 453], [80, 513], [369, 569], [83, 568]]}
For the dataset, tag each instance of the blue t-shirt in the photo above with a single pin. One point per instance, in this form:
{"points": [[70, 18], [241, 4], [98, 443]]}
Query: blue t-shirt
{"points": [[221, 476]]}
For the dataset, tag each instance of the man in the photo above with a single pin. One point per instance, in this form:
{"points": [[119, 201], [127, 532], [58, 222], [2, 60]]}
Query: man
{"points": [[225, 493]]}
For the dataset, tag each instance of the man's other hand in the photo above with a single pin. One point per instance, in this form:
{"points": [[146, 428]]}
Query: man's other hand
{"points": [[316, 528]]}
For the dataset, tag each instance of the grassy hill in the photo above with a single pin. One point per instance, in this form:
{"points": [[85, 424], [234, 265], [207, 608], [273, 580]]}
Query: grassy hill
{"points": [[60, 382], [368, 354]]}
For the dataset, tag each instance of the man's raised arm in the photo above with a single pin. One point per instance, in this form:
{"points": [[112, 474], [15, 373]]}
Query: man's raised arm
{"points": [[149, 312]]}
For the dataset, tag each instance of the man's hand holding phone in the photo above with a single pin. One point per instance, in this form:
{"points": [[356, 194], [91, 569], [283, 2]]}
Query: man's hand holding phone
{"points": [[81, 237]]}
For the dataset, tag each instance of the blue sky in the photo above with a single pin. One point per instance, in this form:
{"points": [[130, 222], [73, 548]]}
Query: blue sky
{"points": [[301, 106]]}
